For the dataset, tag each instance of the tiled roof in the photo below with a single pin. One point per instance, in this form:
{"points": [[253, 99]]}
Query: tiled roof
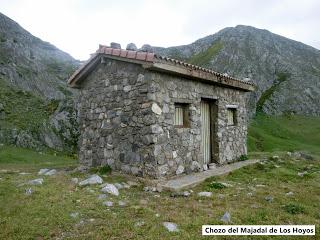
{"points": [[154, 60]]}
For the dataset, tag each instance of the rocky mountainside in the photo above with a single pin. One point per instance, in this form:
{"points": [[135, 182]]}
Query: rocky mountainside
{"points": [[287, 72], [36, 106]]}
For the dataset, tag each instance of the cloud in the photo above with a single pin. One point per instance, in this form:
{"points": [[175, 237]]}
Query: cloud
{"points": [[78, 26]]}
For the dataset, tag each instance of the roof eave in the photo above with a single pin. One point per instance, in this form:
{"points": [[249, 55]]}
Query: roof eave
{"points": [[201, 75]]}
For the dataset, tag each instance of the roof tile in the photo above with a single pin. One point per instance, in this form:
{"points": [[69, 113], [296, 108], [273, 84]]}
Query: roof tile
{"points": [[141, 56], [116, 52], [132, 54], [151, 57]]}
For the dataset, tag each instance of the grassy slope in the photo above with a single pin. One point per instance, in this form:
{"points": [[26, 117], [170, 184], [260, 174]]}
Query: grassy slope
{"points": [[23, 110], [284, 133], [205, 57], [46, 213]]}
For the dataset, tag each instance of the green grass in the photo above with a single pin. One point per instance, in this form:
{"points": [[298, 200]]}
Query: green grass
{"points": [[281, 77], [284, 133], [23, 110], [46, 213], [206, 56], [12, 157]]}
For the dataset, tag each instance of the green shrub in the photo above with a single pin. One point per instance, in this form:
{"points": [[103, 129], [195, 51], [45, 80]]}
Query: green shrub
{"points": [[216, 185], [101, 170], [294, 208], [243, 157]]}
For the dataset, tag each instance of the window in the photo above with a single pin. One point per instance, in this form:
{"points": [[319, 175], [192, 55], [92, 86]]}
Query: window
{"points": [[232, 116], [181, 115]]}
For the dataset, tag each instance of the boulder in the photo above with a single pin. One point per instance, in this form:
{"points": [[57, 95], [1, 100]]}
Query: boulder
{"points": [[226, 218], [108, 204], [50, 173], [170, 226], [205, 194], [43, 171], [37, 181], [110, 188], [93, 179]]}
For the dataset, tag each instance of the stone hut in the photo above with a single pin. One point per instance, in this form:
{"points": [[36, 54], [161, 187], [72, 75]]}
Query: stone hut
{"points": [[153, 116]]}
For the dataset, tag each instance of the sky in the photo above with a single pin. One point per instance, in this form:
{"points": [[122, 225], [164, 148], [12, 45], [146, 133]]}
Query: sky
{"points": [[79, 26]]}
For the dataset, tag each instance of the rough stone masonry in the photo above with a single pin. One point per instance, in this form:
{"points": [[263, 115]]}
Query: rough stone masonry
{"points": [[131, 106]]}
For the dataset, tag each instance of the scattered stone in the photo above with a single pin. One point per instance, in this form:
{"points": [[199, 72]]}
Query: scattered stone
{"points": [[249, 194], [226, 184], [90, 190], [152, 189], [212, 166], [125, 185], [81, 169], [139, 224], [28, 191], [170, 226], [93, 179], [205, 194], [289, 193], [75, 180], [115, 45], [301, 174], [133, 184], [289, 154], [146, 48], [157, 215], [131, 47], [108, 204], [102, 196], [43, 171], [221, 196], [254, 206], [226, 218], [186, 194], [74, 214], [24, 173], [118, 185], [277, 166], [260, 185], [268, 198], [51, 172], [143, 202], [180, 194], [122, 203], [159, 189], [37, 181], [275, 157], [110, 188], [306, 156]]}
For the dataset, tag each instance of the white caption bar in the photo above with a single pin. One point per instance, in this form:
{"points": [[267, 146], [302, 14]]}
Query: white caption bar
{"points": [[303, 230]]}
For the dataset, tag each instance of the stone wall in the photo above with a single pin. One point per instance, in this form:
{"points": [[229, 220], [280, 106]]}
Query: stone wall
{"points": [[115, 118], [126, 121], [178, 149]]}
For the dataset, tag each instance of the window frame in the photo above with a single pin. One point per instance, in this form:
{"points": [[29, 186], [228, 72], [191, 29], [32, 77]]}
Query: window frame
{"points": [[185, 115], [234, 111]]}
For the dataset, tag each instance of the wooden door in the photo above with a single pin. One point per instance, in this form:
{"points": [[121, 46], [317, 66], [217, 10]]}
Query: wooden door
{"points": [[205, 132]]}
